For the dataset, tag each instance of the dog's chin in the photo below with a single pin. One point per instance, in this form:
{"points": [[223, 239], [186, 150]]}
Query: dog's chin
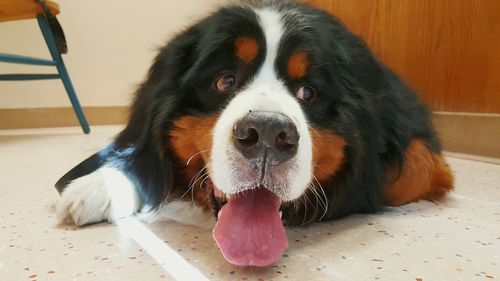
{"points": [[218, 199], [249, 230], [247, 200], [275, 180]]}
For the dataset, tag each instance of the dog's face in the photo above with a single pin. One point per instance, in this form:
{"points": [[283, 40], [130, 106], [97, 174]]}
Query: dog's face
{"points": [[262, 100], [262, 138], [257, 105]]}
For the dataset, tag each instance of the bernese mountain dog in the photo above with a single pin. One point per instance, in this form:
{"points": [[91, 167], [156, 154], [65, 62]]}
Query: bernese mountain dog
{"points": [[262, 115]]}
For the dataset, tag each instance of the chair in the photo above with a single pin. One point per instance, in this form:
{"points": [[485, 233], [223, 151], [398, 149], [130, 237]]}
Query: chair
{"points": [[44, 11]]}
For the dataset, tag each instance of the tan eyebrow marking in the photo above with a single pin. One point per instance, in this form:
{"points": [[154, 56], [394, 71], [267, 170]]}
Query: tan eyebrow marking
{"points": [[246, 49], [297, 65]]}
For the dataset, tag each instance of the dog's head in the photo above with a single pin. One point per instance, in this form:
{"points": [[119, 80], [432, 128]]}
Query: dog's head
{"points": [[253, 109]]}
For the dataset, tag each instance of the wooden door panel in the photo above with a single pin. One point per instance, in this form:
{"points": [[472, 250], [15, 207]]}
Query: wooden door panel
{"points": [[448, 50]]}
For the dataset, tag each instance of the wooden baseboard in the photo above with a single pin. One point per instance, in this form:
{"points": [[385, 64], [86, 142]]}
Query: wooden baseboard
{"points": [[22, 118], [469, 133]]}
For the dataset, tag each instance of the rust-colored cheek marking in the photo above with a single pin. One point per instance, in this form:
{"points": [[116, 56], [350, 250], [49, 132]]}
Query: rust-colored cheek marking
{"points": [[192, 135], [425, 175], [328, 153], [297, 65], [246, 49], [191, 140]]}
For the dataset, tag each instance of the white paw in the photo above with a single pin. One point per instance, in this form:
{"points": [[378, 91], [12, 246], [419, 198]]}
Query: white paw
{"points": [[104, 195]]}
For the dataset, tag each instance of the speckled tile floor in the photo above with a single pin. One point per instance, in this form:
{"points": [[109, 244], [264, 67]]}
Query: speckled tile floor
{"points": [[456, 240]]}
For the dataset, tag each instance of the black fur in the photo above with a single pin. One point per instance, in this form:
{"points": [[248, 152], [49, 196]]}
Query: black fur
{"points": [[358, 99]]}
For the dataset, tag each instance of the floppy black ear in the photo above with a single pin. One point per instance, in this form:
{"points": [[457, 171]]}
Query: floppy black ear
{"points": [[378, 115], [137, 150], [155, 103], [156, 97]]}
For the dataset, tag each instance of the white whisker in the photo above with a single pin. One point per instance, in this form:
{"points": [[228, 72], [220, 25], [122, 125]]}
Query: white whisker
{"points": [[325, 202], [201, 173], [316, 206], [194, 155]]}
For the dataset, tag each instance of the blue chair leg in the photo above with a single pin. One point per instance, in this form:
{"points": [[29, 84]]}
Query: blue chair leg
{"points": [[61, 68]]}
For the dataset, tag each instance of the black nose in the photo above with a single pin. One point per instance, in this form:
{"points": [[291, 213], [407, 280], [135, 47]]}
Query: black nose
{"points": [[266, 134]]}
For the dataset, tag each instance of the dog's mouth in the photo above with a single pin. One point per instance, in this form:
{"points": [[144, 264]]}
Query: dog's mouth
{"points": [[249, 230]]}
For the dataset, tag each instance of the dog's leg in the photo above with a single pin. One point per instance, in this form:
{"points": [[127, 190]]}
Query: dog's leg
{"points": [[425, 175], [103, 195]]}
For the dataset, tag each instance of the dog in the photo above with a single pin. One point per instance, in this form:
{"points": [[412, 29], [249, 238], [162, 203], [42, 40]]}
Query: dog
{"points": [[262, 115]]}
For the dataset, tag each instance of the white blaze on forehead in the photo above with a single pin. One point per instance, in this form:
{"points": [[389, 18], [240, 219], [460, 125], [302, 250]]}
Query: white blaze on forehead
{"points": [[266, 92], [272, 25]]}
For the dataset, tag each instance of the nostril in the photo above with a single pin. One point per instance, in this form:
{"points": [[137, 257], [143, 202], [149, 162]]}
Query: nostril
{"points": [[251, 137], [282, 142]]}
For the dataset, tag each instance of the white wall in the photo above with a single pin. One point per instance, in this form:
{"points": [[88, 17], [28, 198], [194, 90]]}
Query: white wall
{"points": [[111, 45]]}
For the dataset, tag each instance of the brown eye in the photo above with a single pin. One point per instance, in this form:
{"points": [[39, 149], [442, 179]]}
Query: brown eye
{"points": [[306, 94], [225, 83]]}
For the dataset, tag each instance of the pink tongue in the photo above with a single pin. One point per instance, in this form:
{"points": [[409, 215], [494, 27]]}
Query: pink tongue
{"points": [[249, 230]]}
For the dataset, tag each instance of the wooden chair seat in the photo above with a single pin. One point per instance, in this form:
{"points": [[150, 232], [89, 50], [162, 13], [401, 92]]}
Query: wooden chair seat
{"points": [[23, 9]]}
